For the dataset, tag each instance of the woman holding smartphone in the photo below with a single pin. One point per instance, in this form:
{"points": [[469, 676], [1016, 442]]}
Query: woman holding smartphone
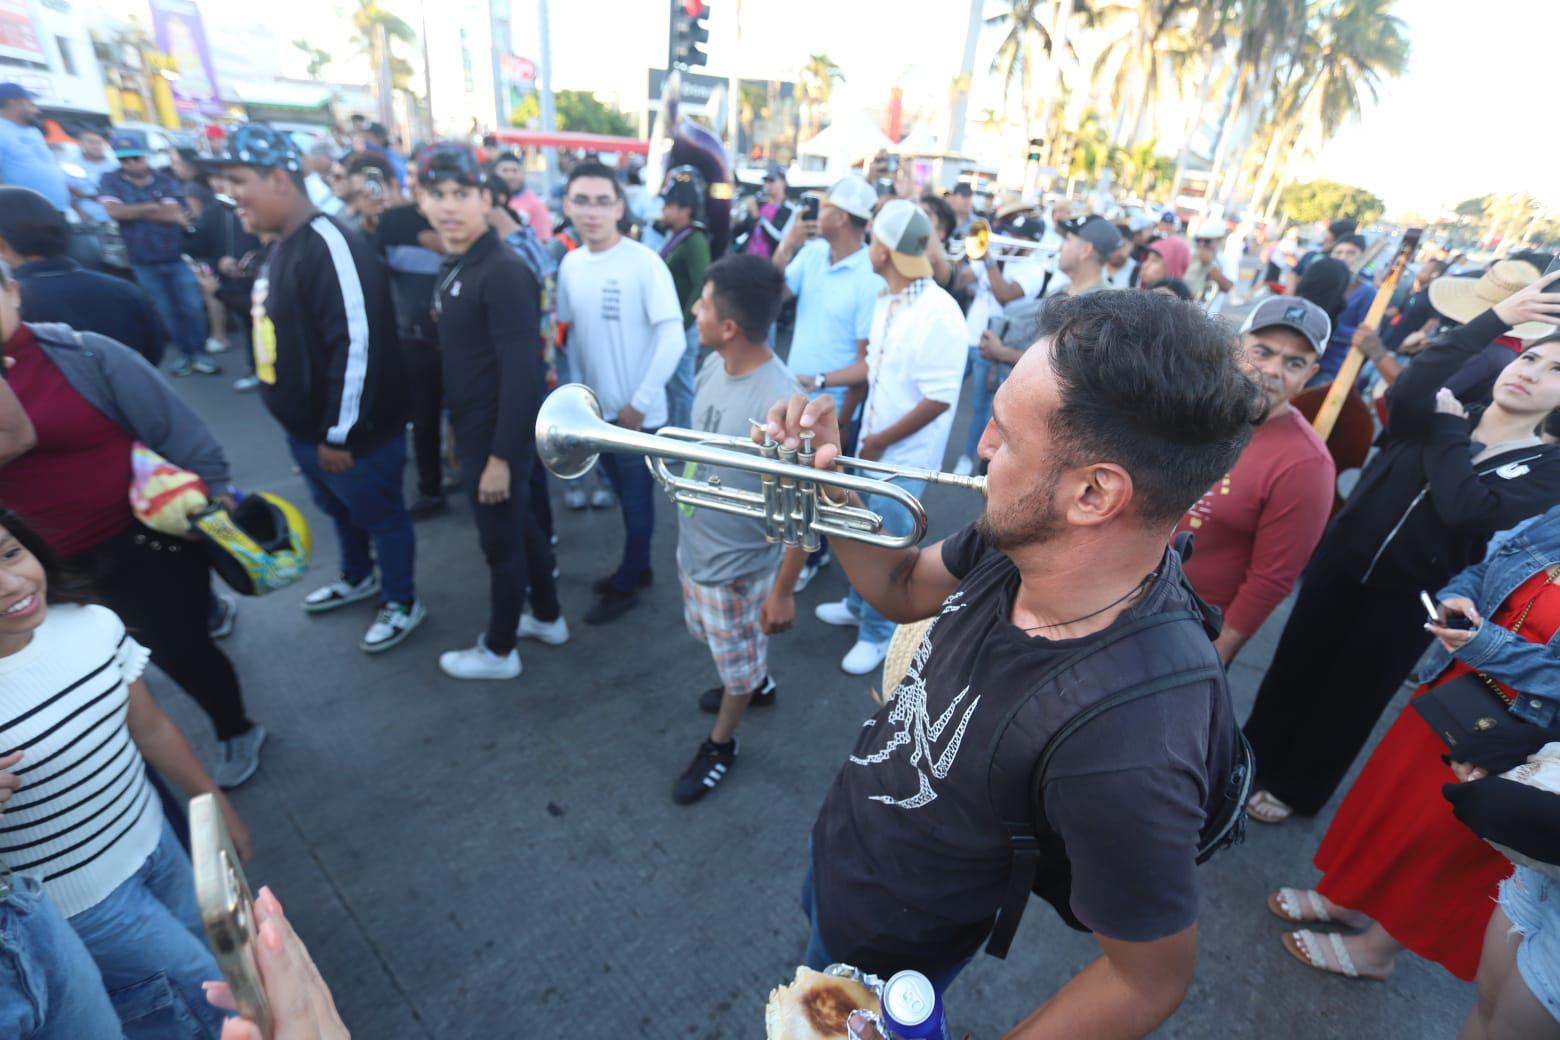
{"points": [[1396, 861]]}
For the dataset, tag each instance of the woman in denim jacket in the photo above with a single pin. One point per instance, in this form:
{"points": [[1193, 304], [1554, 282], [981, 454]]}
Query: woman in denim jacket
{"points": [[1396, 861]]}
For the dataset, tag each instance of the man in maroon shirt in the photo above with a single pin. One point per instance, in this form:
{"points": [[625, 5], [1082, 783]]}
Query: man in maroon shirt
{"points": [[1255, 529]]}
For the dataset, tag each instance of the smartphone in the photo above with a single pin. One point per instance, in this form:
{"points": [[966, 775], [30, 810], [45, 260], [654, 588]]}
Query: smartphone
{"points": [[809, 207], [227, 908], [1432, 609]]}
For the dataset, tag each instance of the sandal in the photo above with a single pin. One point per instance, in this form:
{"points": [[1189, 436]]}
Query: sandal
{"points": [[1295, 904], [1312, 950], [1264, 808]]}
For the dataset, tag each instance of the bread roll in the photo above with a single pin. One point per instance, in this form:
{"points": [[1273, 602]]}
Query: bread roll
{"points": [[814, 1006]]}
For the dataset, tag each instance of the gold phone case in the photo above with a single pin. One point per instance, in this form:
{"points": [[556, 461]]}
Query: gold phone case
{"points": [[226, 908]]}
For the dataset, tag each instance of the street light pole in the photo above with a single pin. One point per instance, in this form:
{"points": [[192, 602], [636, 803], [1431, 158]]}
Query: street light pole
{"points": [[545, 90]]}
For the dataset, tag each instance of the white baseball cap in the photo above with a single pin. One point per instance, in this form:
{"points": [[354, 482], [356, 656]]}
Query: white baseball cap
{"points": [[853, 195], [905, 229]]}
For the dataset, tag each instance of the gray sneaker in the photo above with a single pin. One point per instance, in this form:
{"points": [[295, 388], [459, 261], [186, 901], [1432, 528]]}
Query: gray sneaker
{"points": [[240, 757], [394, 623]]}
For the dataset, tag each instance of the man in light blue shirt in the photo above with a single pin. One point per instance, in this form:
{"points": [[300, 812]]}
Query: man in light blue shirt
{"points": [[835, 288], [25, 159]]}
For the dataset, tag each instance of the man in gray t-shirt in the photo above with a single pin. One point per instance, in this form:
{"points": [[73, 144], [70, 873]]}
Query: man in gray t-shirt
{"points": [[733, 598]]}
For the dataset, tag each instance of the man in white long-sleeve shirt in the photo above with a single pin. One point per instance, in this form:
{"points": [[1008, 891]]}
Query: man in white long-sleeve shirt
{"points": [[625, 338]]}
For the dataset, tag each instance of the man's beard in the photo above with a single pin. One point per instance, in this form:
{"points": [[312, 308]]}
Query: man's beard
{"points": [[1034, 520]]}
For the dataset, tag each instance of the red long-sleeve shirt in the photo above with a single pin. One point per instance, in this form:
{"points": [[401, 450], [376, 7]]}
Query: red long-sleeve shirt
{"points": [[1255, 529]]}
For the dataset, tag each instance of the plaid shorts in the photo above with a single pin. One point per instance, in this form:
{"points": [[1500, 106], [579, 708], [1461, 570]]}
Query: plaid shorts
{"points": [[726, 619]]}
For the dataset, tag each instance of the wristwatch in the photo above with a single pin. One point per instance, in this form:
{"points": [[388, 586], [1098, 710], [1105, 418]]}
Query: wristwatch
{"points": [[821, 380]]}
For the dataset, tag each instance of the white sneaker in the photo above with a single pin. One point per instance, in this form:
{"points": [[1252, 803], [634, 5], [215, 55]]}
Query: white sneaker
{"points": [[478, 662], [864, 657], [964, 467], [804, 579], [244, 384], [836, 613], [601, 498], [574, 498], [553, 633], [393, 624], [215, 345], [339, 593]]}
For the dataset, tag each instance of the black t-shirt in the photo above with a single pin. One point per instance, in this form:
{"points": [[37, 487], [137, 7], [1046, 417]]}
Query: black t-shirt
{"points": [[1412, 315], [910, 855], [413, 268]]}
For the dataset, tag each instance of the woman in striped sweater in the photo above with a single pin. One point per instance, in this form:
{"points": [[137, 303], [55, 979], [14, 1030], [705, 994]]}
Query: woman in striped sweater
{"points": [[83, 818]]}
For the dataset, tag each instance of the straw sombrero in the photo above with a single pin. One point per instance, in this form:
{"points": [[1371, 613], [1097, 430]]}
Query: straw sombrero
{"points": [[901, 651], [1463, 299]]}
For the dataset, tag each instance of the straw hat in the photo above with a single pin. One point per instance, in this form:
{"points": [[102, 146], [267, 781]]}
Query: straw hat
{"points": [[1463, 299]]}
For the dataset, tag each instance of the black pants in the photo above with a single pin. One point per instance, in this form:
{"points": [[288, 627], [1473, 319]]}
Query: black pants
{"points": [[541, 503], [160, 587], [518, 553], [1345, 651], [425, 372]]}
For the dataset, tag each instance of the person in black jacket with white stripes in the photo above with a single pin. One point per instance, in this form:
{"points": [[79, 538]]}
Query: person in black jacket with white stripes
{"points": [[331, 373], [487, 305], [1445, 480]]}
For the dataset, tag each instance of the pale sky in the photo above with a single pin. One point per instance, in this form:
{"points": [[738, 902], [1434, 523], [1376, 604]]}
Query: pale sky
{"points": [[1473, 114]]}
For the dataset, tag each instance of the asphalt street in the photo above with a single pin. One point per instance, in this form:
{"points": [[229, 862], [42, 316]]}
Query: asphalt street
{"points": [[473, 860]]}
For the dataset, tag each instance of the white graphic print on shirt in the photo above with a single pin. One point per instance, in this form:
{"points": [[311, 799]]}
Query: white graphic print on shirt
{"points": [[918, 728]]}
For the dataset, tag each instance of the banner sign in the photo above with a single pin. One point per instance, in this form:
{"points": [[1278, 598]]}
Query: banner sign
{"points": [[180, 33]]}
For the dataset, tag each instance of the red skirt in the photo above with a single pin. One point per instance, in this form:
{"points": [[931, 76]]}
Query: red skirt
{"points": [[1396, 852]]}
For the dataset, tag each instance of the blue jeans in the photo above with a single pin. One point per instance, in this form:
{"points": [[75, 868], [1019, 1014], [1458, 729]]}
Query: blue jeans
{"points": [[49, 987], [985, 377], [679, 388], [176, 293], [147, 941], [818, 958], [366, 505], [635, 489], [875, 628]]}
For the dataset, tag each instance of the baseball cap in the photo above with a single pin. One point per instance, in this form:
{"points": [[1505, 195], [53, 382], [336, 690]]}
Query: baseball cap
{"points": [[258, 145], [1210, 230], [129, 144], [14, 92], [962, 188], [774, 172], [1292, 312], [853, 195], [684, 187], [1169, 217], [448, 161], [1139, 221], [1095, 230], [904, 228]]}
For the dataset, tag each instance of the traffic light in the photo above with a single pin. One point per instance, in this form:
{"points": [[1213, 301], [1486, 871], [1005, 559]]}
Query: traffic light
{"points": [[690, 28], [1035, 144]]}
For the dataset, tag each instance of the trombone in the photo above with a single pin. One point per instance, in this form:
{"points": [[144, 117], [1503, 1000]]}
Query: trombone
{"points": [[982, 241], [571, 434]]}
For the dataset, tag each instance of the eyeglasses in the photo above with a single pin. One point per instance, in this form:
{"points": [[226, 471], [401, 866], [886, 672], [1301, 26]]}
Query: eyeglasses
{"points": [[586, 202]]}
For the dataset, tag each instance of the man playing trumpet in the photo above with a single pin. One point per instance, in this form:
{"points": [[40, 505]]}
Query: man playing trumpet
{"points": [[1063, 593]]}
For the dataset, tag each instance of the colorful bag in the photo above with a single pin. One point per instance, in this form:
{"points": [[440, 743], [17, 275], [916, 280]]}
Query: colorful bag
{"points": [[163, 496]]}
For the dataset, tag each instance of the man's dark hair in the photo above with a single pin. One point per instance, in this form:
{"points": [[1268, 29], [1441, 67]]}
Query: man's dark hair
{"points": [[963, 188], [1352, 240], [592, 168], [942, 212], [748, 291], [372, 161], [1175, 285], [30, 224], [859, 223], [1340, 228], [1151, 384]]}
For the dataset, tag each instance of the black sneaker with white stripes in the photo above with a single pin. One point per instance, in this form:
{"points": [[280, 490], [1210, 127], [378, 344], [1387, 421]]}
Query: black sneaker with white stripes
{"points": [[763, 697], [708, 768]]}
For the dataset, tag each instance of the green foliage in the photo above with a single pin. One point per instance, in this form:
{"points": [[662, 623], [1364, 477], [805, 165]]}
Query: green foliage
{"points": [[526, 112], [1475, 207], [578, 110], [317, 59], [1328, 200]]}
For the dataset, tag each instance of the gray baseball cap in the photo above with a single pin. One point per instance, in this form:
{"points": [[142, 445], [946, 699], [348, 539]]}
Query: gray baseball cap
{"points": [[1095, 230], [1291, 312]]}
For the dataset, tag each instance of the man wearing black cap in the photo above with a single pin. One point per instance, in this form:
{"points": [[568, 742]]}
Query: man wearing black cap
{"points": [[488, 308], [330, 372], [1256, 528], [1336, 230], [764, 224], [962, 200], [687, 253], [149, 207], [25, 159]]}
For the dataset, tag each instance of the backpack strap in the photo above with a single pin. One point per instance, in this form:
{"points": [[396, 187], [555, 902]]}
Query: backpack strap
{"points": [[1022, 835]]}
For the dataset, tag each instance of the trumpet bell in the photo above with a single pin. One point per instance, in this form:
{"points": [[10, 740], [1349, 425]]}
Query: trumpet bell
{"points": [[560, 424]]}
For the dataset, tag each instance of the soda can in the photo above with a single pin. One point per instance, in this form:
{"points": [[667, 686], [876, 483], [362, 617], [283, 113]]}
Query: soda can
{"points": [[912, 1009]]}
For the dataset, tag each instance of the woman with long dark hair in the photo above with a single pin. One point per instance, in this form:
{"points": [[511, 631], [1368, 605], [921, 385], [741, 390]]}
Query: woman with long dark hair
{"points": [[90, 400], [78, 728]]}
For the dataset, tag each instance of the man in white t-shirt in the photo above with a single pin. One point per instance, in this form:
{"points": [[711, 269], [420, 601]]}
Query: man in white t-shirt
{"points": [[914, 366], [625, 338]]}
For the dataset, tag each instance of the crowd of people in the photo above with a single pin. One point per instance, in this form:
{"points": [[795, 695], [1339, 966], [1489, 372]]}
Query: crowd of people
{"points": [[1154, 488]]}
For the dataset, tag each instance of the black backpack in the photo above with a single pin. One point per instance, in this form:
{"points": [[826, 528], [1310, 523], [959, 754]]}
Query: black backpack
{"points": [[1039, 858]]}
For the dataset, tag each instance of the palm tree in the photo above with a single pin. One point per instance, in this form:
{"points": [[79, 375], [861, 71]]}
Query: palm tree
{"points": [[1266, 29], [316, 58], [816, 81], [376, 29], [1026, 30]]}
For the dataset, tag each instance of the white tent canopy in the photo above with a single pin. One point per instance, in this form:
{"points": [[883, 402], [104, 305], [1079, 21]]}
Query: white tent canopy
{"points": [[849, 137]]}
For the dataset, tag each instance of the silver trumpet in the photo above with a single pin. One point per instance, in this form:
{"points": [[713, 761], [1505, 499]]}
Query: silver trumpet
{"points": [[571, 434]]}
